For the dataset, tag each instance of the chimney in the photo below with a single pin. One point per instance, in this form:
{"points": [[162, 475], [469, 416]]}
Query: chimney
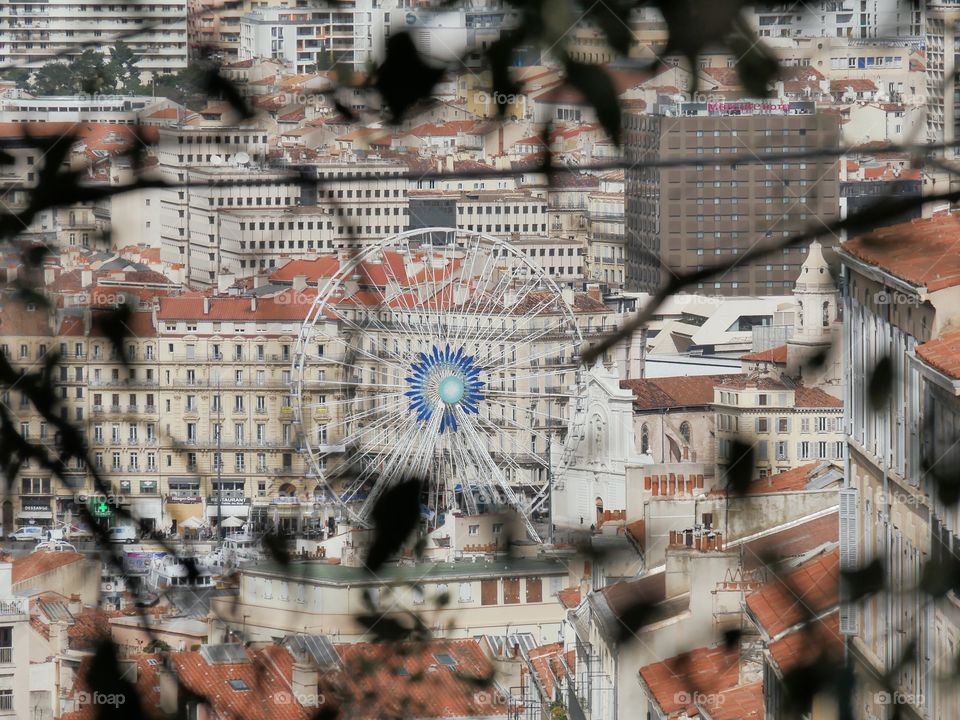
{"points": [[59, 641], [304, 681], [253, 303], [86, 278], [224, 281], [6, 580], [299, 283], [206, 305], [169, 690], [593, 290], [567, 294], [74, 605], [49, 274]]}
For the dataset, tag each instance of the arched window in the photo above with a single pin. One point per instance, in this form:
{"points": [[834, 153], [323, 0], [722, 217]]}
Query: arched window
{"points": [[826, 314], [644, 440], [685, 432]]}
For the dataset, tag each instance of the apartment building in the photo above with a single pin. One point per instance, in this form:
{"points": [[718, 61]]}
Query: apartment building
{"points": [[486, 596], [786, 425], [690, 217], [942, 41], [33, 34], [606, 237], [843, 19], [311, 38], [14, 648], [900, 299]]}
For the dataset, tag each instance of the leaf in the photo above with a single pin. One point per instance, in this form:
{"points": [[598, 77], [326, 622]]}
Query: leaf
{"points": [[739, 471], [613, 17], [114, 324], [395, 515], [598, 88], [404, 78], [275, 546], [757, 66], [216, 84], [499, 56], [868, 580], [881, 383]]}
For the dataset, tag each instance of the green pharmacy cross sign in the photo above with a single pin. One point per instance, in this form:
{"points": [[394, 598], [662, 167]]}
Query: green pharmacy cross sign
{"points": [[101, 508]]}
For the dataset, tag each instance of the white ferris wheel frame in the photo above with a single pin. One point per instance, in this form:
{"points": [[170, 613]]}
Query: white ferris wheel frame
{"points": [[400, 241]]}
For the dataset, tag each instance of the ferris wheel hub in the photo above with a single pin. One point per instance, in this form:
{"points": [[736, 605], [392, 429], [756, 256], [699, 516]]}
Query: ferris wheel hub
{"points": [[451, 390]]}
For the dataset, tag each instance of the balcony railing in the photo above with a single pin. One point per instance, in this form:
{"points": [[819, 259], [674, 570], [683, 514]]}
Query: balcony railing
{"points": [[16, 606]]}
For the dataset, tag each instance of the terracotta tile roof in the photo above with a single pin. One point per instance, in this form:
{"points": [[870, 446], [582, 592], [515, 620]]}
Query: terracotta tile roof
{"points": [[791, 542], [148, 666], [793, 479], [855, 84], [738, 703], [723, 75], [775, 355], [546, 665], [742, 382], [681, 391], [638, 531], [569, 597], [324, 266], [283, 306], [268, 687], [800, 72], [169, 113], [942, 353], [675, 682], [804, 646], [372, 679], [16, 320], [922, 252], [815, 397], [812, 588], [40, 562]]}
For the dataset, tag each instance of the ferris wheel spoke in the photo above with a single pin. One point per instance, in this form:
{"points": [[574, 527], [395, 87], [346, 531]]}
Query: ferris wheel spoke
{"points": [[357, 347]]}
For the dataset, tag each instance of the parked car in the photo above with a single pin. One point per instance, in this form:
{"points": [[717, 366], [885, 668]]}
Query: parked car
{"points": [[124, 534], [78, 532], [29, 533]]}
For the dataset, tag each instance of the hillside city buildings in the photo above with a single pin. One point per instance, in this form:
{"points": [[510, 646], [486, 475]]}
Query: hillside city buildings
{"points": [[319, 304]]}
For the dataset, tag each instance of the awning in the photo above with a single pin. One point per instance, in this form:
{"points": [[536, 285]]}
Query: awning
{"points": [[147, 507], [183, 511], [229, 510], [35, 515]]}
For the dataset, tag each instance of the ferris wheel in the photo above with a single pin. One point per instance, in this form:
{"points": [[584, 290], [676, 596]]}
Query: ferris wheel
{"points": [[444, 355]]}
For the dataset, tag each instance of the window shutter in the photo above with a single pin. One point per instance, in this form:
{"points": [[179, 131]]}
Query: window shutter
{"points": [[849, 612]]}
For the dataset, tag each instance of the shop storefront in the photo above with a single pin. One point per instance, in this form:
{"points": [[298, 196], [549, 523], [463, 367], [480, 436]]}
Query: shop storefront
{"points": [[182, 502]]}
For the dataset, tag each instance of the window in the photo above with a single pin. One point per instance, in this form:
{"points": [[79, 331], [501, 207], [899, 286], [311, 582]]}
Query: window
{"points": [[781, 450], [644, 439], [783, 425], [474, 530], [762, 424], [488, 592], [466, 592]]}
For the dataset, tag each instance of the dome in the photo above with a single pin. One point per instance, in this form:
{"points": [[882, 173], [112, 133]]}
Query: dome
{"points": [[815, 272]]}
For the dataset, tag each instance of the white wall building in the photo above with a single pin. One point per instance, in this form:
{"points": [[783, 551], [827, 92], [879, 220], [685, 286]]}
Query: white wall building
{"points": [[32, 34]]}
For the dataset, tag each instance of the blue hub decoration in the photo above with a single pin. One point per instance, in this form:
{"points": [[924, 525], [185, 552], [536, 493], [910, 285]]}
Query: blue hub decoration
{"points": [[442, 381]]}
